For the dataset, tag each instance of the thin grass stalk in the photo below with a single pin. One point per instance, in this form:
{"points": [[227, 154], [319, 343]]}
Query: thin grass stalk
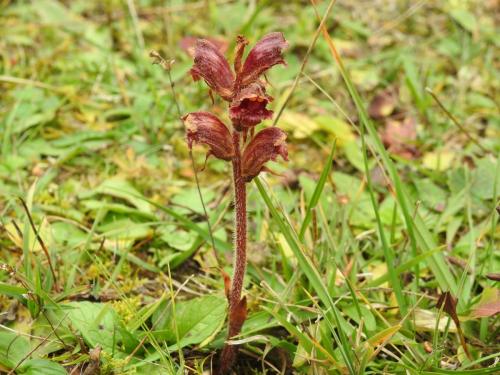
{"points": [[418, 233]]}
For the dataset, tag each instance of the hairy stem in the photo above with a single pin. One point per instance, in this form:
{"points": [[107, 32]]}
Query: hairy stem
{"points": [[240, 207], [237, 306]]}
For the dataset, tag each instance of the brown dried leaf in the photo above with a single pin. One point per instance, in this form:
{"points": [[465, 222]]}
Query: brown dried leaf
{"points": [[449, 305], [94, 367], [383, 104], [399, 137], [488, 309], [227, 283], [489, 304], [493, 276], [238, 316]]}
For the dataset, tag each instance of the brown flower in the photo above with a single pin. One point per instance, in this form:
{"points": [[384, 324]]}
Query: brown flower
{"points": [[248, 108], [248, 100], [265, 146], [266, 53], [213, 67], [188, 44], [206, 128]]}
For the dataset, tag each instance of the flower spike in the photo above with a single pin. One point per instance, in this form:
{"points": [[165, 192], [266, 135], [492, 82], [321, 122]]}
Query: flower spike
{"points": [[206, 128], [245, 91], [265, 146], [213, 67], [265, 54]]}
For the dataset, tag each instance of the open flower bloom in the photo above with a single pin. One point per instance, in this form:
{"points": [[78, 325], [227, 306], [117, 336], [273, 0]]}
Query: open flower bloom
{"points": [[248, 108], [212, 66], [266, 53], [265, 146], [206, 128]]}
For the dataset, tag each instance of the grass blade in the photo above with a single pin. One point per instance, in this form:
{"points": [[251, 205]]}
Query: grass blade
{"points": [[309, 269], [191, 225], [317, 192], [419, 234]]}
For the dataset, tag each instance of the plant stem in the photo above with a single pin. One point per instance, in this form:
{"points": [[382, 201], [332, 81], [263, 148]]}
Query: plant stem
{"points": [[240, 206], [240, 254]]}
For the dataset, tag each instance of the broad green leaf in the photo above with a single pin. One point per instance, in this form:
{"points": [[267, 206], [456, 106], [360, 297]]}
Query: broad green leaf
{"points": [[484, 179], [351, 189], [198, 228], [120, 188], [96, 205], [177, 238], [189, 198], [298, 124], [41, 367], [337, 127], [431, 194], [96, 322], [13, 348], [36, 107], [67, 234], [353, 153], [80, 138], [51, 12], [125, 230], [197, 321], [438, 160], [465, 18]]}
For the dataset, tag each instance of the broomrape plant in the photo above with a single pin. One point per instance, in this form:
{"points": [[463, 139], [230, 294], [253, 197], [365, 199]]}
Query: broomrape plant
{"points": [[248, 152]]}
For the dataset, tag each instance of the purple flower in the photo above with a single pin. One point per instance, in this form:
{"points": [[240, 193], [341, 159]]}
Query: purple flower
{"points": [[213, 67], [248, 108], [206, 128], [267, 145]]}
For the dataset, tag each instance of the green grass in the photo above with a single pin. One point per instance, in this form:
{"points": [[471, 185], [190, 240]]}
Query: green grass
{"points": [[348, 251]]}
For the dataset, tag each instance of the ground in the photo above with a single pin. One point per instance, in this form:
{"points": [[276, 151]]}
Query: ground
{"points": [[384, 264]]}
